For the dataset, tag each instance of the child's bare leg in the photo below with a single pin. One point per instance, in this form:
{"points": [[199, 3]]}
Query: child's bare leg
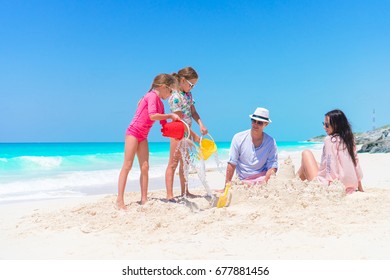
{"points": [[120, 201], [174, 157], [184, 181], [131, 145], [143, 159]]}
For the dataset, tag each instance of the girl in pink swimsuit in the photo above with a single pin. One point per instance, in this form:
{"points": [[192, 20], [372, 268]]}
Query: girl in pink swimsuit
{"points": [[339, 159], [150, 109]]}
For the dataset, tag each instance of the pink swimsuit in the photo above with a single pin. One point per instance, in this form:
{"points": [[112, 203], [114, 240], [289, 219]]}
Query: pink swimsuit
{"points": [[141, 124], [336, 163]]}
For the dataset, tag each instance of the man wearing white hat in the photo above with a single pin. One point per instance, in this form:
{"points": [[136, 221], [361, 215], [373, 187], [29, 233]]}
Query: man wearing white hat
{"points": [[253, 153]]}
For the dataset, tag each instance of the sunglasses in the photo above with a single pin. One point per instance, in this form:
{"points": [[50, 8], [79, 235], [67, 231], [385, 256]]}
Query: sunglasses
{"points": [[257, 122], [190, 84], [170, 89], [327, 125]]}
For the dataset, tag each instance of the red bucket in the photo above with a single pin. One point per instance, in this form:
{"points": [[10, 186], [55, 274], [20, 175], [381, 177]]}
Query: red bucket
{"points": [[175, 130]]}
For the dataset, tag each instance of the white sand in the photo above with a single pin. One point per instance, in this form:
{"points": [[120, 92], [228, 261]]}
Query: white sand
{"points": [[286, 219]]}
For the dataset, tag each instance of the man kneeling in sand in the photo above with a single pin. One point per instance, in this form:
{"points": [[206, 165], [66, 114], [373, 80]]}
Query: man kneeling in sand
{"points": [[253, 153]]}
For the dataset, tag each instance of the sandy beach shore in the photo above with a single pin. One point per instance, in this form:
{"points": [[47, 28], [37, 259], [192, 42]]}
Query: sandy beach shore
{"points": [[285, 219]]}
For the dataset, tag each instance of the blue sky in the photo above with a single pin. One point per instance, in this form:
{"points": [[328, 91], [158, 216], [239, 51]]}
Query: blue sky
{"points": [[74, 70]]}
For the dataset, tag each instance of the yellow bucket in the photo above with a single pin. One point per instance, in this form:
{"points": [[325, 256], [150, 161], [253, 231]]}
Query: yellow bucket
{"points": [[207, 147]]}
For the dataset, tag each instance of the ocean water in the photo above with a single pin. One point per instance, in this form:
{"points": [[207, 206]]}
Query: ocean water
{"points": [[35, 171]]}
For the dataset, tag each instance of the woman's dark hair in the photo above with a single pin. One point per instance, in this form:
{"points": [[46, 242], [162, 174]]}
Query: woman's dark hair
{"points": [[342, 128]]}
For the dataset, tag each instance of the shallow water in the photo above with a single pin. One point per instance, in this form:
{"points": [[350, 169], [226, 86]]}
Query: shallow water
{"points": [[34, 171]]}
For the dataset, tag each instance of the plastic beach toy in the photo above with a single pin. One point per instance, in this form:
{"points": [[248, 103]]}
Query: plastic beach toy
{"points": [[175, 129], [222, 201], [207, 147]]}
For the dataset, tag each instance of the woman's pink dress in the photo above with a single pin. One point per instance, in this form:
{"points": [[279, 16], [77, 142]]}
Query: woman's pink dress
{"points": [[336, 163]]}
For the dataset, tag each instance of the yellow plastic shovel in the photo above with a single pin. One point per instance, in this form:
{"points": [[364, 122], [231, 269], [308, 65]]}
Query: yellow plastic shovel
{"points": [[223, 198]]}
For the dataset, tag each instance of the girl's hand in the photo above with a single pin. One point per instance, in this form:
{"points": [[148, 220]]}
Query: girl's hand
{"points": [[196, 138], [174, 117], [203, 130]]}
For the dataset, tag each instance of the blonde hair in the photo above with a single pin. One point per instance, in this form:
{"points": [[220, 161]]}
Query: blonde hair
{"points": [[164, 79], [186, 73]]}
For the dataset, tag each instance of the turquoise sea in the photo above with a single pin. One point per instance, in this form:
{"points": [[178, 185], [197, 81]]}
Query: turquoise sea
{"points": [[34, 171]]}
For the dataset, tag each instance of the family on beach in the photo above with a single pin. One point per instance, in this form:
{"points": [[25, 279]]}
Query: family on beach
{"points": [[253, 153]]}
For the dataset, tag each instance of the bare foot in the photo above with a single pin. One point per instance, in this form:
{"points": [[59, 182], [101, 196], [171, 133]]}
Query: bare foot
{"points": [[190, 195], [143, 202], [120, 205], [170, 200]]}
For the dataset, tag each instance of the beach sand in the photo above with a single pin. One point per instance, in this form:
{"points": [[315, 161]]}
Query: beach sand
{"points": [[283, 220]]}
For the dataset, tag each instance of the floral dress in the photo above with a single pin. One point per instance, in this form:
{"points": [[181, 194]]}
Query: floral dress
{"points": [[182, 101]]}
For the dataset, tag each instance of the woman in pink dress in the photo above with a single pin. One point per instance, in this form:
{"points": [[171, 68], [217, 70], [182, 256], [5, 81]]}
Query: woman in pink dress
{"points": [[339, 159], [150, 109]]}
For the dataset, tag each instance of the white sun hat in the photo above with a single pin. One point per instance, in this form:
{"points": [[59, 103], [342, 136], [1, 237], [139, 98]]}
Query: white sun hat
{"points": [[261, 114]]}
